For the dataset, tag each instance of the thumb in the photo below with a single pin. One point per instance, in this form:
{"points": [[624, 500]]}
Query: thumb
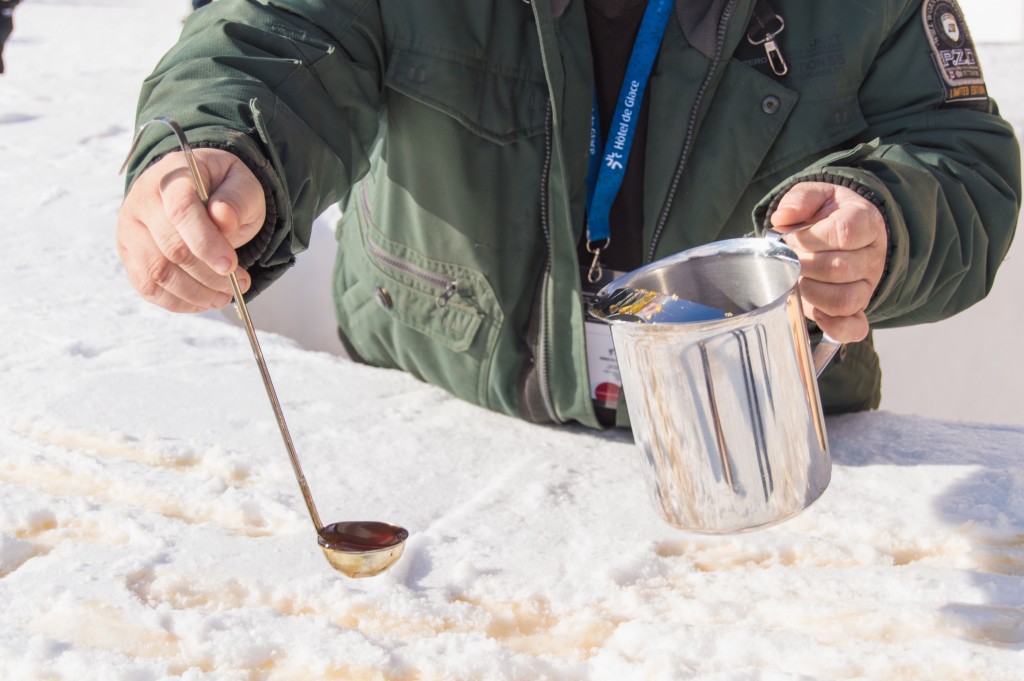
{"points": [[238, 206], [801, 204]]}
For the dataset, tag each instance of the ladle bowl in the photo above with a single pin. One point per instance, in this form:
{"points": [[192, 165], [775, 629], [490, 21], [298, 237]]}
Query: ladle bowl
{"points": [[355, 549], [362, 549]]}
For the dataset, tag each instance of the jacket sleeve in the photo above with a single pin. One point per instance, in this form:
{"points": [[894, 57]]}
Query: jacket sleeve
{"points": [[946, 177], [291, 86]]}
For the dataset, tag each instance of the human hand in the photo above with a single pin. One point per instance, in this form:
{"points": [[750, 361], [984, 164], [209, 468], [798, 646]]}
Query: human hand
{"points": [[176, 251], [841, 240]]}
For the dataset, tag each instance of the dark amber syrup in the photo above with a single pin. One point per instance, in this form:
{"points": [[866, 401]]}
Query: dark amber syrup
{"points": [[361, 536]]}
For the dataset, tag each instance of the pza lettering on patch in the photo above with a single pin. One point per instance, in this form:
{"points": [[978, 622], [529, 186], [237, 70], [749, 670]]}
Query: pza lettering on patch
{"points": [[953, 53]]}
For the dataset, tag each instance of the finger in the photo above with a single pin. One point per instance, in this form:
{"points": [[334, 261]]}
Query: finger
{"points": [[850, 228], [158, 279], [145, 283], [161, 234], [172, 246], [801, 204], [238, 206], [842, 329], [836, 300], [841, 267], [191, 220]]}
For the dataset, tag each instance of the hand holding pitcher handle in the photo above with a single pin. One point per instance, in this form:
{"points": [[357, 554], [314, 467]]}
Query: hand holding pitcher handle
{"points": [[827, 347], [841, 239]]}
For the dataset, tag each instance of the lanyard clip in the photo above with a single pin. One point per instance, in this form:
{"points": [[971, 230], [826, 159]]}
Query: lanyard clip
{"points": [[775, 60], [766, 37], [595, 272]]}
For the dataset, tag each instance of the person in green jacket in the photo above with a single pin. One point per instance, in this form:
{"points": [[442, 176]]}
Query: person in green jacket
{"points": [[492, 157]]}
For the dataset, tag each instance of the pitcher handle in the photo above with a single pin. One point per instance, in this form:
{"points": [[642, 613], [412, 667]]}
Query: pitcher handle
{"points": [[823, 353], [827, 347]]}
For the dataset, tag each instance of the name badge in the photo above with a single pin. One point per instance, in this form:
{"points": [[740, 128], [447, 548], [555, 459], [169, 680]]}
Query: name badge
{"points": [[602, 366]]}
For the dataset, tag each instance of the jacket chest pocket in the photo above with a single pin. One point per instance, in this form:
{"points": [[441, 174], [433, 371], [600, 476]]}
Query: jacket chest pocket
{"points": [[499, 103], [463, 156], [816, 126]]}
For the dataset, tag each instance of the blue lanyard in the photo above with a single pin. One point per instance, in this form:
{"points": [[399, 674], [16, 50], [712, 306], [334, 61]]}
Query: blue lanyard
{"points": [[605, 173]]}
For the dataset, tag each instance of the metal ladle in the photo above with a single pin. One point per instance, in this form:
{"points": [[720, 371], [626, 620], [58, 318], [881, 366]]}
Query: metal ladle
{"points": [[354, 548]]}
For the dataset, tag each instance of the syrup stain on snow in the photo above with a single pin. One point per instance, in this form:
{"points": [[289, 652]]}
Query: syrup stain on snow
{"points": [[95, 624], [107, 471], [128, 448], [716, 578], [527, 626]]}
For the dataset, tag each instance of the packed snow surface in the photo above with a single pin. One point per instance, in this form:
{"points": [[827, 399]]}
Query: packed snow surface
{"points": [[151, 528]]}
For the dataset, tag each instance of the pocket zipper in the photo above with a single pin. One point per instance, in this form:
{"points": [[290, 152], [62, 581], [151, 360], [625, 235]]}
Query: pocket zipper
{"points": [[449, 286]]}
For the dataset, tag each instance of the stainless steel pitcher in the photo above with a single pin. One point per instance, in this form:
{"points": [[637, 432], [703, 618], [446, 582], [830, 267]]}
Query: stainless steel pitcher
{"points": [[720, 382]]}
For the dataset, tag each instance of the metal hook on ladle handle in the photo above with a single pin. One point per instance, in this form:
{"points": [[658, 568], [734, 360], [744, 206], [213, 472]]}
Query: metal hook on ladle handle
{"points": [[243, 314]]}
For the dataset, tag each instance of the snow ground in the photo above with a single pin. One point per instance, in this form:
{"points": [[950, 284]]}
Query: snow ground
{"points": [[150, 527]]}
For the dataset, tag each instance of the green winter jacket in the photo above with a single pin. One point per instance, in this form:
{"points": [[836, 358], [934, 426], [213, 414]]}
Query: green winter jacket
{"points": [[455, 135]]}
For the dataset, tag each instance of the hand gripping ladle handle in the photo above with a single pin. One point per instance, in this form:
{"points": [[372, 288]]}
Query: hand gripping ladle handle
{"points": [[243, 314]]}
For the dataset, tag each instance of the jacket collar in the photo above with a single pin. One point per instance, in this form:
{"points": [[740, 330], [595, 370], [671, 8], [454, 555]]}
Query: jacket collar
{"points": [[557, 6], [698, 18]]}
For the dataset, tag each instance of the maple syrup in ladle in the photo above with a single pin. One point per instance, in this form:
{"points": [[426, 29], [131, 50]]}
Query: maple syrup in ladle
{"points": [[362, 548], [356, 548]]}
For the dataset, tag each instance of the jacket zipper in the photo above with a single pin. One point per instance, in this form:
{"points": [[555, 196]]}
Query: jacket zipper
{"points": [[448, 285], [543, 342], [691, 126], [544, 323]]}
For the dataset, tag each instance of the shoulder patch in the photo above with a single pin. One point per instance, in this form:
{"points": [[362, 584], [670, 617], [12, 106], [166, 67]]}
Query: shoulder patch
{"points": [[954, 54]]}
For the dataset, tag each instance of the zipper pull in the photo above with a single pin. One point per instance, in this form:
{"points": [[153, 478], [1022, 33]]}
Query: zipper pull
{"points": [[447, 294]]}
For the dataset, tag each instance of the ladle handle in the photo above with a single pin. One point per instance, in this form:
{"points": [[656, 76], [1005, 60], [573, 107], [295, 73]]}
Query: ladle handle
{"points": [[250, 331], [243, 314]]}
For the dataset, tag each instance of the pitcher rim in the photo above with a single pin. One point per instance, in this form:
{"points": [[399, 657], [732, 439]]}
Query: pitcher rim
{"points": [[757, 246]]}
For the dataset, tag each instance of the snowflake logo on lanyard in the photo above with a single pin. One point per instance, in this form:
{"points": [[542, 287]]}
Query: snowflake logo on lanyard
{"points": [[611, 160]]}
